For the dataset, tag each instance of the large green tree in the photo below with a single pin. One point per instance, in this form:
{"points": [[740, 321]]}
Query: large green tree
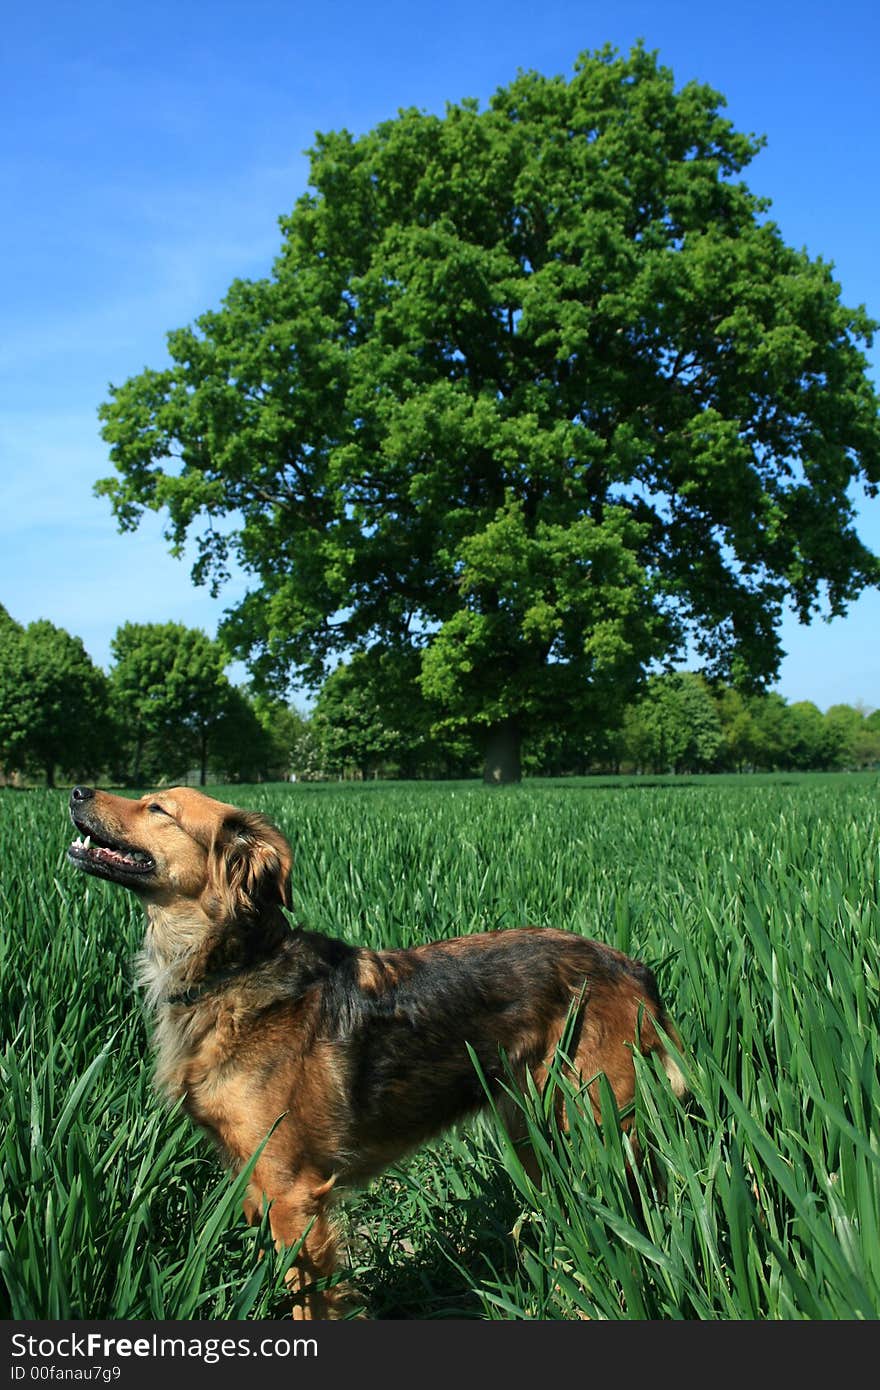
{"points": [[54, 702], [537, 393]]}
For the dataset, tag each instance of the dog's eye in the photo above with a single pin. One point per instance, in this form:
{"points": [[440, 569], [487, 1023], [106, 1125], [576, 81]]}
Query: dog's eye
{"points": [[156, 807]]}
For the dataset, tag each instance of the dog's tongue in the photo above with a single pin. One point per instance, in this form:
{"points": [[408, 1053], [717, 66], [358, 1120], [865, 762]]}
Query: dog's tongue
{"points": [[114, 856]]}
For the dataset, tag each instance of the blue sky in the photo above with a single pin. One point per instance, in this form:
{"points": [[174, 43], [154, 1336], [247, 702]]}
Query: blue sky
{"points": [[149, 151]]}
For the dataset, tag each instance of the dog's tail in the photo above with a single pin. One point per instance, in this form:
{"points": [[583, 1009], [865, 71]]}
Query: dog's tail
{"points": [[670, 1066], [653, 1041]]}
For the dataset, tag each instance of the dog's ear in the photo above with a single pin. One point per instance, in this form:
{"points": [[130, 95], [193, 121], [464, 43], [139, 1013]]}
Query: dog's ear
{"points": [[250, 863]]}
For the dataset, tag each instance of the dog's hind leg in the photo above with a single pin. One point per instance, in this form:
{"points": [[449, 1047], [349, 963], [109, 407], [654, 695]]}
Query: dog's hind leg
{"points": [[252, 1206], [513, 1120]]}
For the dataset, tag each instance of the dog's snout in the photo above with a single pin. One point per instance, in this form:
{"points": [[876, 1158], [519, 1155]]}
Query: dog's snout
{"points": [[81, 794]]}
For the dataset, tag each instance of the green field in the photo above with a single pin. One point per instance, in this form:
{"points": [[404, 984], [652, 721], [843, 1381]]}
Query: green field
{"points": [[757, 900]]}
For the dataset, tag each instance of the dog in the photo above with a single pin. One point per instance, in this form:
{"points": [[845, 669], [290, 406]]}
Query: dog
{"points": [[354, 1056]]}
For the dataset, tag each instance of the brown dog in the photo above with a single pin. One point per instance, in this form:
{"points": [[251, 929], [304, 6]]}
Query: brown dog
{"points": [[362, 1052]]}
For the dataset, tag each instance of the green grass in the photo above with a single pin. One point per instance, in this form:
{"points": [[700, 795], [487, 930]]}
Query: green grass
{"points": [[757, 900]]}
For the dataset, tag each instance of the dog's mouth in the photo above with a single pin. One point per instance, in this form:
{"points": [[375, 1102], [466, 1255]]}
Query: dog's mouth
{"points": [[108, 858]]}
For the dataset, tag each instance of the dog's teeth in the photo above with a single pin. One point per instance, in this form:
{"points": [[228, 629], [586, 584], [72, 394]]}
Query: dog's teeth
{"points": [[87, 842]]}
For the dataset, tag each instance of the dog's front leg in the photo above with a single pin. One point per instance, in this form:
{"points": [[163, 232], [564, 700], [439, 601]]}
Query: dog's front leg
{"points": [[300, 1214]]}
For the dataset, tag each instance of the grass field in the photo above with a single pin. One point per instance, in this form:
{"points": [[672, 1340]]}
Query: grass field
{"points": [[757, 900]]}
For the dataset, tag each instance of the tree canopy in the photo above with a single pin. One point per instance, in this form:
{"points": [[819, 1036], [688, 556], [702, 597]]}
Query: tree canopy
{"points": [[53, 702], [676, 725], [371, 717], [535, 396], [170, 693]]}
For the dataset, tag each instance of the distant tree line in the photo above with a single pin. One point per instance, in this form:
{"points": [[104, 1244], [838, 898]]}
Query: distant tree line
{"points": [[680, 723], [166, 711], [683, 724]]}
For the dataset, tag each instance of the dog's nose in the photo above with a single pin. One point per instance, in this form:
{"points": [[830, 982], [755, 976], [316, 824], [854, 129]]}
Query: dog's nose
{"points": [[81, 794]]}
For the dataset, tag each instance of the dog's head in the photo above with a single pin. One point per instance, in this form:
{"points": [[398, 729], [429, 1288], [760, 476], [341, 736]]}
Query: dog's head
{"points": [[179, 847]]}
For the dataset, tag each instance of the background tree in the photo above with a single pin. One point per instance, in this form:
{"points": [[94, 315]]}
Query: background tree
{"points": [[53, 702], [738, 733], [843, 731], [170, 692], [774, 731], [674, 727], [12, 724], [371, 715], [285, 729], [807, 741], [240, 747], [535, 394], [308, 763], [351, 726], [868, 741]]}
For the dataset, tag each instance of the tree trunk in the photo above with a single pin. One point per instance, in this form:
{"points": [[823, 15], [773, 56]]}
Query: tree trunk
{"points": [[203, 771], [502, 756], [50, 774]]}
